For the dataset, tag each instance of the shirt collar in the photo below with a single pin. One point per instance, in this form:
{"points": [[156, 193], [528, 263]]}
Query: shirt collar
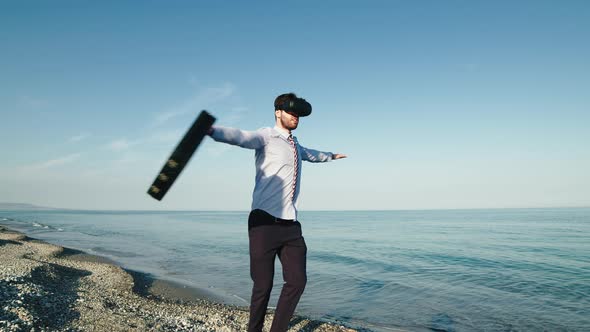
{"points": [[283, 132]]}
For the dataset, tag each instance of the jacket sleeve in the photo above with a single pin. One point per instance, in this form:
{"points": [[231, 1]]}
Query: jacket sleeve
{"points": [[314, 156], [241, 138]]}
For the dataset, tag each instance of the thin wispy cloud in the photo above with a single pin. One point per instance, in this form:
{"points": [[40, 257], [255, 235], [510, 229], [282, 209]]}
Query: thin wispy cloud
{"points": [[165, 116], [201, 100], [79, 138], [32, 102], [169, 136], [216, 150], [165, 135], [236, 115], [121, 144], [53, 162]]}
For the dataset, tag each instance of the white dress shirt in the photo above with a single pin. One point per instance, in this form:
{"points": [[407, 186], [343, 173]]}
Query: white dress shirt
{"points": [[275, 166]]}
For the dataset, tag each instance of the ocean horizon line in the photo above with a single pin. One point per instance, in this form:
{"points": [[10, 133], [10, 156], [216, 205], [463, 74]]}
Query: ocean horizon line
{"points": [[6, 206]]}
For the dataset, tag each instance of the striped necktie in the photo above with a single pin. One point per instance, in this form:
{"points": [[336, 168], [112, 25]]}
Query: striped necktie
{"points": [[295, 166]]}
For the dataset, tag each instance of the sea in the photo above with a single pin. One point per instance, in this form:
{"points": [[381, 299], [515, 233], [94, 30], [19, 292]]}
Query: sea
{"points": [[422, 270]]}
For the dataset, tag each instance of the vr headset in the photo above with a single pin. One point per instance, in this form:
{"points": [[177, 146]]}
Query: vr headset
{"points": [[298, 106]]}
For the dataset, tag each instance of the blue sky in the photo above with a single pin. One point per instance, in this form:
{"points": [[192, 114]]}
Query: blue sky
{"points": [[439, 104]]}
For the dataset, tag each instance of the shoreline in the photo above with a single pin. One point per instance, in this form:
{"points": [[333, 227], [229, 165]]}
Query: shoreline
{"points": [[48, 287], [145, 284]]}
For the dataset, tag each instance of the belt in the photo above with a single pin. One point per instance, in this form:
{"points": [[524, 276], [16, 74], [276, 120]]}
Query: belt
{"points": [[260, 217]]}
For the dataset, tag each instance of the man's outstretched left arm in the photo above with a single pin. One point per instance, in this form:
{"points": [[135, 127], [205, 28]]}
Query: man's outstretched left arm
{"points": [[316, 156]]}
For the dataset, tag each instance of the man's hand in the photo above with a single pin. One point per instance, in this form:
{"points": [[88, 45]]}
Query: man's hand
{"points": [[338, 156]]}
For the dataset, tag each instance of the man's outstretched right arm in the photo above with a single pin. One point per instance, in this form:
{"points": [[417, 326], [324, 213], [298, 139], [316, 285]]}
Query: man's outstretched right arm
{"points": [[233, 136]]}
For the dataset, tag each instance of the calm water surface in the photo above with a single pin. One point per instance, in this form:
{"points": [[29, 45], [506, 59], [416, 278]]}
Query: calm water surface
{"points": [[437, 270]]}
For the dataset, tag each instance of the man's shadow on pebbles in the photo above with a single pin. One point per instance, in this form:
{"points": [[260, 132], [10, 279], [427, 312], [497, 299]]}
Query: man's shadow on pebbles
{"points": [[5, 242], [53, 303]]}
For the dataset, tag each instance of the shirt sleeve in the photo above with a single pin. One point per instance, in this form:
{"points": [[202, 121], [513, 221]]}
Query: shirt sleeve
{"points": [[315, 156], [241, 138]]}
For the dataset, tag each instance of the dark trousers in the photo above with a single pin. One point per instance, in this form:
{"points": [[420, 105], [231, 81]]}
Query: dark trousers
{"points": [[270, 238]]}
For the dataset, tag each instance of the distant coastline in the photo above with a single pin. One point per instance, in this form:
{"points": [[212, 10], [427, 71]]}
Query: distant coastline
{"points": [[24, 206]]}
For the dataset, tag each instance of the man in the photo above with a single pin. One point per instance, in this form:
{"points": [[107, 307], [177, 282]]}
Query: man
{"points": [[273, 229]]}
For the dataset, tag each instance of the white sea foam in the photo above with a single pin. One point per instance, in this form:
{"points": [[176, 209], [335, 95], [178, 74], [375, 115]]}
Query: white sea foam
{"points": [[36, 224], [241, 298]]}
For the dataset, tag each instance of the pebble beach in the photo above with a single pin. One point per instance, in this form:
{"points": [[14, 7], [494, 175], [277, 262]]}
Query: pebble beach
{"points": [[45, 287]]}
